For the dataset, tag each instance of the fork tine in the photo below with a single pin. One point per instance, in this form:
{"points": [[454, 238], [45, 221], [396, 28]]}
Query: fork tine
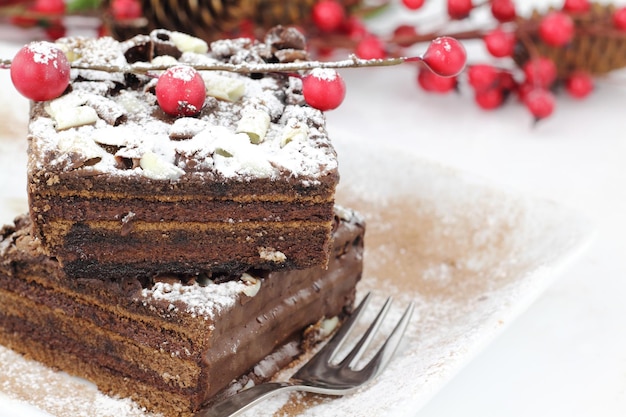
{"points": [[329, 351], [357, 351], [387, 350]]}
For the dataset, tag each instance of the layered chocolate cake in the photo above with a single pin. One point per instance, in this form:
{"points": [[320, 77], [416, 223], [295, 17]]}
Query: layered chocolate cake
{"points": [[170, 342], [119, 188]]}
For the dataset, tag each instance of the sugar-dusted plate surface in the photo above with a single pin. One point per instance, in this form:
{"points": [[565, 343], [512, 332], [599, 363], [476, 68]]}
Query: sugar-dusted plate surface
{"points": [[471, 256]]}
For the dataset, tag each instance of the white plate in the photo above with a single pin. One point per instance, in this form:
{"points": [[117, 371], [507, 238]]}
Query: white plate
{"points": [[470, 255]]}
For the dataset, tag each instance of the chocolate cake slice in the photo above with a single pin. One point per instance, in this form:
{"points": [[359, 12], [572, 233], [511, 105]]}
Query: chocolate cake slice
{"points": [[172, 343], [118, 187]]}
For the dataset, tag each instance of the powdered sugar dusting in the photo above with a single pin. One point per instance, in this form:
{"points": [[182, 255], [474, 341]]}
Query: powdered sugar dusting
{"points": [[57, 393], [183, 73], [131, 121], [199, 301], [471, 257], [44, 52], [326, 74]]}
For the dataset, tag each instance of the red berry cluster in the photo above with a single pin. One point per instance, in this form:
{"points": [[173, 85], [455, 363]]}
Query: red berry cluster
{"points": [[50, 14], [40, 71], [46, 13], [535, 83]]}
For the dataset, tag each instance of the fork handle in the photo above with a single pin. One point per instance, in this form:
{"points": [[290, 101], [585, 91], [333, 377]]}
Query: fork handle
{"points": [[240, 402]]}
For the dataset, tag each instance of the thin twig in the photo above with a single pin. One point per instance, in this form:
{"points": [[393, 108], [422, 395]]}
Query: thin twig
{"points": [[143, 68]]}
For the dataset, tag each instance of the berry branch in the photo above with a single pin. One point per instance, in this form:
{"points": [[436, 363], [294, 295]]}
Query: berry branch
{"points": [[246, 68], [568, 35], [41, 71]]}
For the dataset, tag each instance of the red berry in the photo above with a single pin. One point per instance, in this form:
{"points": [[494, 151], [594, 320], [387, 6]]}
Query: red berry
{"points": [[499, 43], [540, 72], [56, 30], [576, 6], [413, 4], [180, 91], [540, 102], [354, 28], [489, 99], [579, 85], [483, 77], [431, 82], [503, 10], [323, 89], [523, 90], [328, 15], [125, 9], [40, 71], [556, 29], [459, 9], [404, 35], [53, 7], [507, 82], [619, 18], [445, 56], [370, 47]]}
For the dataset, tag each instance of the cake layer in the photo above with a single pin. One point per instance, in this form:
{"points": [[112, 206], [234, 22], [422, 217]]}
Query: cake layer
{"points": [[93, 248], [171, 342], [254, 168]]}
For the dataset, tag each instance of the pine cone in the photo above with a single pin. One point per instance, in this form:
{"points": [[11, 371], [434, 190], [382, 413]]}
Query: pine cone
{"points": [[596, 48], [211, 19]]}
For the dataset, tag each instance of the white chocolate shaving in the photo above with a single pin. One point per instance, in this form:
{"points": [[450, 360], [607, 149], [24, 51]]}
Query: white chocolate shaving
{"points": [[328, 326], [157, 168], [164, 60], [294, 131], [74, 117], [254, 122], [271, 254], [71, 142], [131, 103], [65, 102], [253, 287], [187, 43], [223, 87]]}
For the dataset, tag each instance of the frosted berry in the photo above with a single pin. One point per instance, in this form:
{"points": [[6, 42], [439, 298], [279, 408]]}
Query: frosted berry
{"points": [[489, 99], [328, 15], [40, 71], [540, 72], [125, 9], [55, 31], [370, 47], [445, 56], [540, 102], [323, 89], [355, 28], [459, 9], [413, 4], [556, 29], [579, 84], [507, 82], [431, 82], [619, 18], [500, 43], [482, 76], [52, 7], [180, 91], [503, 10], [576, 6], [403, 35]]}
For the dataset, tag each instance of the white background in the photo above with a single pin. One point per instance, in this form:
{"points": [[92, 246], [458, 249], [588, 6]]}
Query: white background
{"points": [[566, 356]]}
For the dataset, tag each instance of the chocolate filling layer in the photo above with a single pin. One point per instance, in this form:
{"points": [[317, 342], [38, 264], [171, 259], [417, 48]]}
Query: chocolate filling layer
{"points": [[169, 342]]}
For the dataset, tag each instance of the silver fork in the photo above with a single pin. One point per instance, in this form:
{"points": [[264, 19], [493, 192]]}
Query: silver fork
{"points": [[322, 374]]}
